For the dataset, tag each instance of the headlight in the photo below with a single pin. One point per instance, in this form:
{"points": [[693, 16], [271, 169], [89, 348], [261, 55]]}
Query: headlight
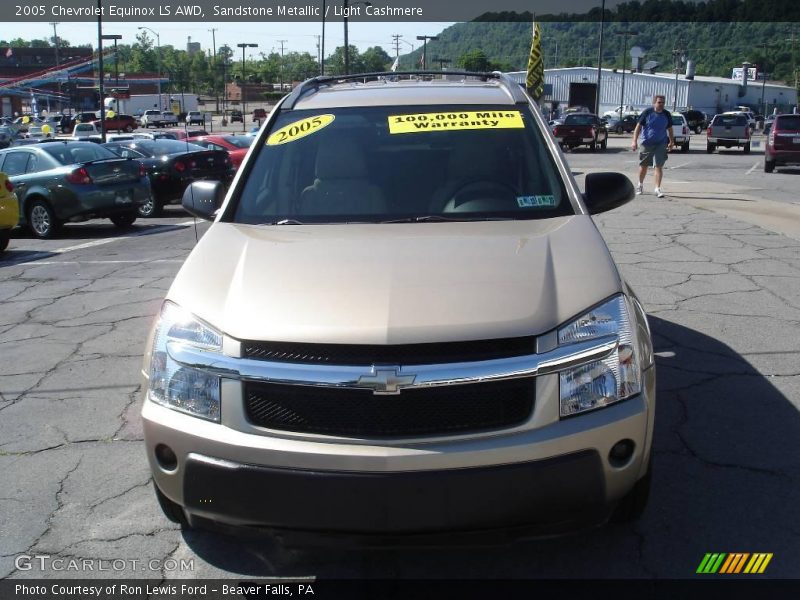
{"points": [[603, 382], [184, 389]]}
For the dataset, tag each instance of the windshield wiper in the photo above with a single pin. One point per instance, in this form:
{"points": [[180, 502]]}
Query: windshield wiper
{"points": [[441, 219], [423, 219], [287, 222]]}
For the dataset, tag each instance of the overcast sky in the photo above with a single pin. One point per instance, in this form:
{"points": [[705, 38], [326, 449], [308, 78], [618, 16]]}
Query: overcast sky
{"points": [[300, 37]]}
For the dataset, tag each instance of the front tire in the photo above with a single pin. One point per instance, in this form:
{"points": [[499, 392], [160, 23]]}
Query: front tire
{"points": [[129, 129], [685, 147], [710, 148], [42, 220], [769, 166], [124, 221], [604, 144], [152, 208], [593, 147], [747, 148], [5, 236]]}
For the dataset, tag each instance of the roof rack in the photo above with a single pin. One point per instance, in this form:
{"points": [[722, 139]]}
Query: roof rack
{"points": [[315, 83]]}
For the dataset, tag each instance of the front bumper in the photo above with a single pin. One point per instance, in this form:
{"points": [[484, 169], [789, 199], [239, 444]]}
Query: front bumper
{"points": [[556, 474]]}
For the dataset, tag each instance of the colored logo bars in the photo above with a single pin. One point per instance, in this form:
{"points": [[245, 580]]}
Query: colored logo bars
{"points": [[739, 562]]}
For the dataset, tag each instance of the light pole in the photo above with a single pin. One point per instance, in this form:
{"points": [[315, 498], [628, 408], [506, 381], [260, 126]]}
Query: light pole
{"points": [[213, 31], [600, 57], [677, 54], [322, 47], [115, 37], [345, 10], [425, 39], [764, 80], [626, 33], [158, 50], [244, 96]]}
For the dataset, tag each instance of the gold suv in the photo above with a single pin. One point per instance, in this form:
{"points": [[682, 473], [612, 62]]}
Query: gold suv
{"points": [[403, 320]]}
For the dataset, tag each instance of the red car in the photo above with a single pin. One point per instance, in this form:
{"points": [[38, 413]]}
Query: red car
{"points": [[179, 133], [783, 143], [124, 123], [236, 145]]}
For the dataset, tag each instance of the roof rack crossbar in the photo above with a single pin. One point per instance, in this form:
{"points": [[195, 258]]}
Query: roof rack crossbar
{"points": [[315, 83]]}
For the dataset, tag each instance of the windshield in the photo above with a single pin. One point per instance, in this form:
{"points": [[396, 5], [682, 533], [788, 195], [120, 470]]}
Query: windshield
{"points": [[579, 120], [165, 146], [790, 122], [240, 141], [677, 120], [730, 120], [376, 164], [77, 152]]}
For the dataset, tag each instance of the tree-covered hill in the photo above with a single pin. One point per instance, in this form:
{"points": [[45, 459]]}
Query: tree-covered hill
{"points": [[716, 47]]}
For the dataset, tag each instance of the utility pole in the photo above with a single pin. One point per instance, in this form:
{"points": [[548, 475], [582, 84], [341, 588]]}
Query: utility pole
{"points": [[765, 45], [55, 42], [55, 39], [442, 62], [396, 37], [793, 39], [213, 31], [280, 69]]}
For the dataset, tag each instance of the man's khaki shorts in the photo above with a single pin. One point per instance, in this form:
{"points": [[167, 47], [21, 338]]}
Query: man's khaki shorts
{"points": [[653, 156]]}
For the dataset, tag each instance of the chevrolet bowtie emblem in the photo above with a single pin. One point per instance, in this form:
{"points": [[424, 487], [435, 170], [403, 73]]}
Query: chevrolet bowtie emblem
{"points": [[386, 381]]}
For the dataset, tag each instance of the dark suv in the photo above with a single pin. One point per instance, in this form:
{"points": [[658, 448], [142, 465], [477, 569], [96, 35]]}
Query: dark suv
{"points": [[236, 115], [696, 119]]}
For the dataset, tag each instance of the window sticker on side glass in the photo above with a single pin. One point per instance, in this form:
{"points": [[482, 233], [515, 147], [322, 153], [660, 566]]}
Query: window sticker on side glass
{"points": [[299, 129], [536, 201], [445, 121]]}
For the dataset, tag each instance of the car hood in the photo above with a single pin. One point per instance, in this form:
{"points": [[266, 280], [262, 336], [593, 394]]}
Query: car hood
{"points": [[396, 283]]}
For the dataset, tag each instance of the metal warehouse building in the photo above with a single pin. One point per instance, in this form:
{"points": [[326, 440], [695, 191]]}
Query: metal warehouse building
{"points": [[709, 94]]}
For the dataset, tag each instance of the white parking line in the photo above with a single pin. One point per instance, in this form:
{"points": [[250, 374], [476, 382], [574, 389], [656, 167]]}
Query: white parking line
{"points": [[103, 241], [103, 262], [753, 168], [681, 165]]}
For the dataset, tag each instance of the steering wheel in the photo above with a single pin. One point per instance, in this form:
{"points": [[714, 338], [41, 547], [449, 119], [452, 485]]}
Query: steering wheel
{"points": [[477, 196]]}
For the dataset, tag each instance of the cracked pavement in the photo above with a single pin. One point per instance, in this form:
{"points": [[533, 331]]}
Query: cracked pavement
{"points": [[723, 297]]}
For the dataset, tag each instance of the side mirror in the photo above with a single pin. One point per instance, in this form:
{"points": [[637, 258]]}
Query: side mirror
{"points": [[606, 191], [203, 199]]}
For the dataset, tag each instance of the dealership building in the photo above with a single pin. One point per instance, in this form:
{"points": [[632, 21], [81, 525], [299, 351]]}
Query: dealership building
{"points": [[712, 95]]}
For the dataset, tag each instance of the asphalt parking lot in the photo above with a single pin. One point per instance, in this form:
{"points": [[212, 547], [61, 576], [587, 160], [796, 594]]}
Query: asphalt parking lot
{"points": [[717, 264]]}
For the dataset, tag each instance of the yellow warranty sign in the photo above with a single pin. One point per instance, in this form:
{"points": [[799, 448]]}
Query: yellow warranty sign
{"points": [[444, 121], [299, 129]]}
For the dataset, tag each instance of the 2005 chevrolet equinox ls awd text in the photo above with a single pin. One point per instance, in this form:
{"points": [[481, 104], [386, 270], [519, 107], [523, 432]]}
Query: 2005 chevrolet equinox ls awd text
{"points": [[403, 320]]}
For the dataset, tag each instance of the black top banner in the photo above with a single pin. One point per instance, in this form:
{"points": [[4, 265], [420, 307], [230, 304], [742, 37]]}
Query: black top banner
{"points": [[400, 10]]}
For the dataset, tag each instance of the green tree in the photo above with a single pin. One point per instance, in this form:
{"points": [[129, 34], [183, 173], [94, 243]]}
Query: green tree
{"points": [[375, 59], [474, 60], [334, 64]]}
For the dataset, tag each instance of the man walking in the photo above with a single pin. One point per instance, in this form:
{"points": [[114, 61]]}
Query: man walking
{"points": [[655, 127]]}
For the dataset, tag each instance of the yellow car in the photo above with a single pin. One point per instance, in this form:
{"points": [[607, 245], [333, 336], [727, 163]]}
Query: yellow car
{"points": [[9, 210]]}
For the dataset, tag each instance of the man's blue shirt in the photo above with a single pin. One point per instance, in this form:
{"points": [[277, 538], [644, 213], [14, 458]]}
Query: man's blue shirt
{"points": [[654, 127]]}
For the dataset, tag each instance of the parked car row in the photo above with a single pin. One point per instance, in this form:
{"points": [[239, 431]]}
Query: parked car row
{"points": [[45, 185], [171, 165]]}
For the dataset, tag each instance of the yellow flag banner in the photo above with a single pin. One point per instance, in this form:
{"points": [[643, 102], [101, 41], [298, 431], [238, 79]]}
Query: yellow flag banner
{"points": [[535, 79]]}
